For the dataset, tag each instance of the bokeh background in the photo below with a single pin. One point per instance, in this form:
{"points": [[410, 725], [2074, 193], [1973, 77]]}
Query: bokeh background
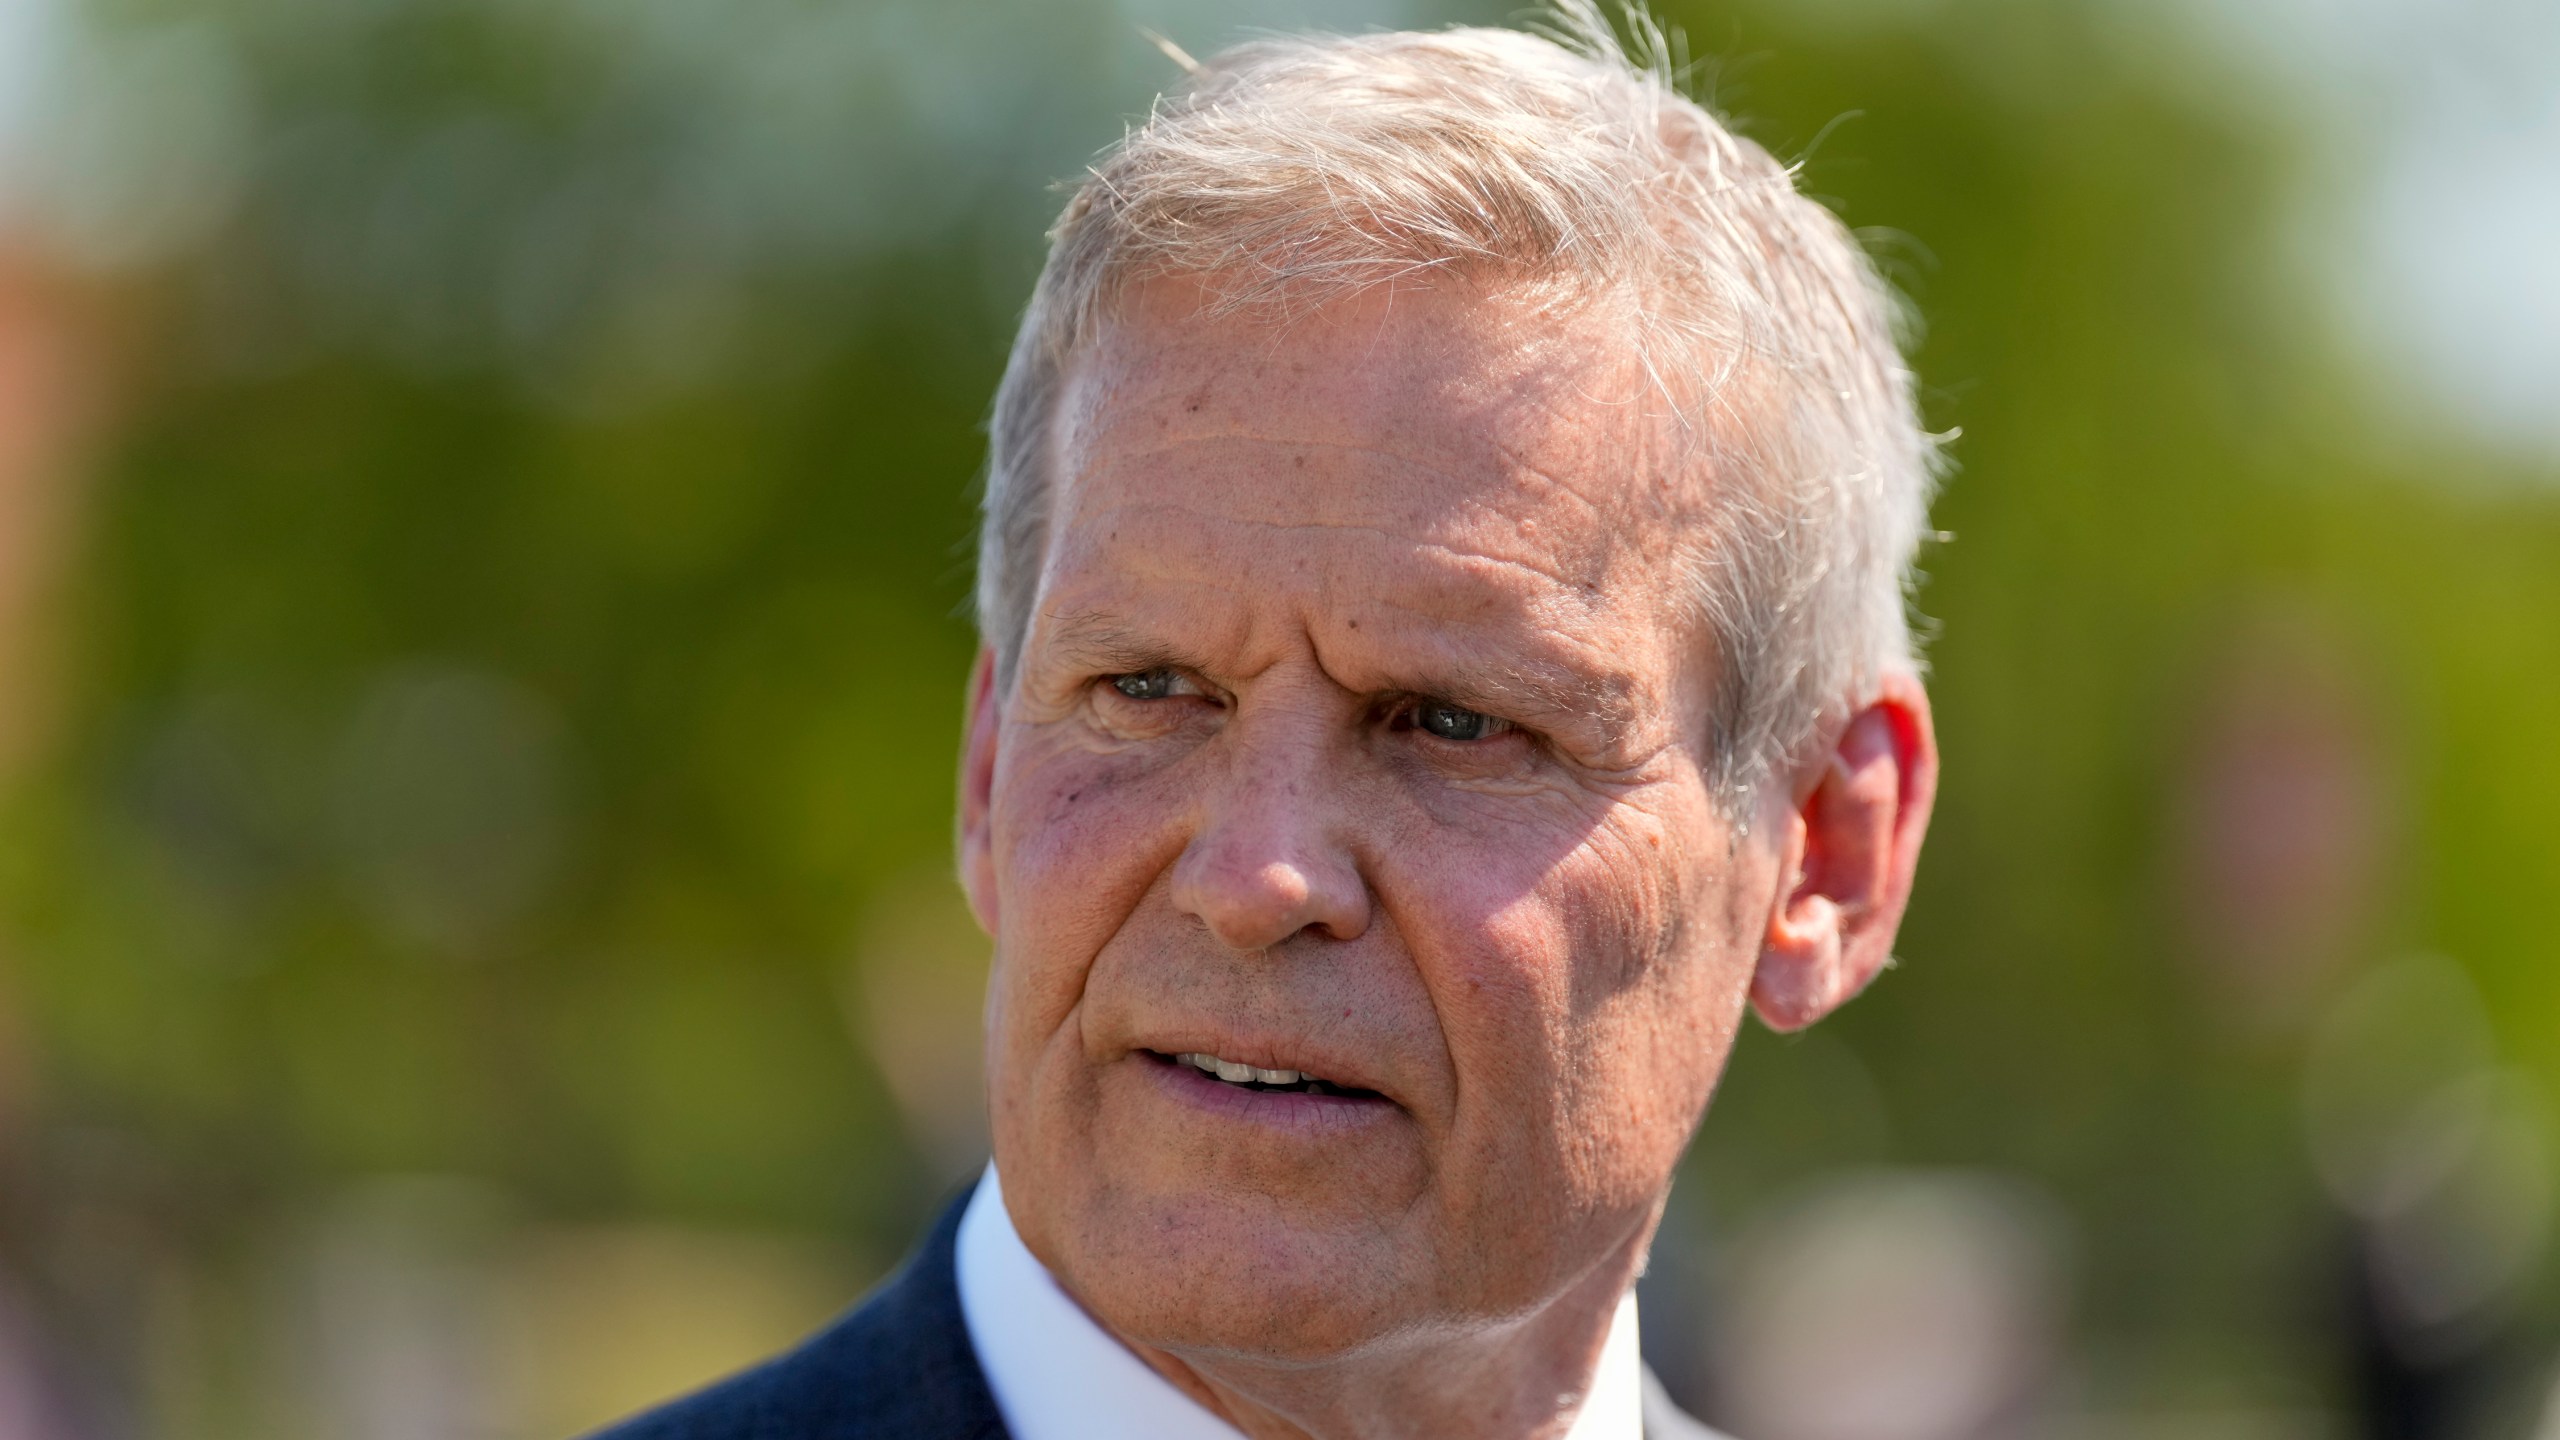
{"points": [[483, 518]]}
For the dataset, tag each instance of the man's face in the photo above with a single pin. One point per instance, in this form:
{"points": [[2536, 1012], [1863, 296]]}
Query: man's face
{"points": [[1357, 733]]}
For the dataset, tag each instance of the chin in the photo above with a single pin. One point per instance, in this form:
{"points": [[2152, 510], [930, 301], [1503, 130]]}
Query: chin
{"points": [[1205, 1273]]}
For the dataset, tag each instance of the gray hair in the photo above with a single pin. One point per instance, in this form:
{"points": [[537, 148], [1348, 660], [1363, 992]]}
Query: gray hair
{"points": [[1292, 170]]}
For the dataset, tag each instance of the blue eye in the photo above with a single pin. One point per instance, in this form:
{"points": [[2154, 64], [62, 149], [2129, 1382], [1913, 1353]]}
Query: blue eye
{"points": [[1146, 684], [1452, 722]]}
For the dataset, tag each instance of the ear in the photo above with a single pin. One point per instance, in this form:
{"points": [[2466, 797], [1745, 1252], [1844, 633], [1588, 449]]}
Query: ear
{"points": [[1849, 845], [977, 791]]}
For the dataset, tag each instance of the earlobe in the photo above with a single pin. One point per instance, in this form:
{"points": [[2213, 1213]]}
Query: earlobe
{"points": [[1798, 978], [984, 724], [1851, 846]]}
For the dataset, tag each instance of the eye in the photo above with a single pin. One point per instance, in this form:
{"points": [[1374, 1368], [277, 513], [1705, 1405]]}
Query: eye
{"points": [[1453, 722], [1161, 684]]}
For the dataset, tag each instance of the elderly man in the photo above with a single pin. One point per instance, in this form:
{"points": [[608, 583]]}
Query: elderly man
{"points": [[1445, 655]]}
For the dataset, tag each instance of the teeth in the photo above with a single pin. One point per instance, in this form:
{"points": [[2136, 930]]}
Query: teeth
{"points": [[1238, 1073]]}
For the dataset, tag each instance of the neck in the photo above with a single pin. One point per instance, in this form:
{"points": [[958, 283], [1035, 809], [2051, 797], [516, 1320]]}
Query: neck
{"points": [[1524, 1378]]}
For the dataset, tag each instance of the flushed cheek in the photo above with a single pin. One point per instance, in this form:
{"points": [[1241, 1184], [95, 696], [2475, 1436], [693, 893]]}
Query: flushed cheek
{"points": [[1652, 1015], [1493, 967], [1626, 902], [1078, 840], [1547, 1004], [1077, 844]]}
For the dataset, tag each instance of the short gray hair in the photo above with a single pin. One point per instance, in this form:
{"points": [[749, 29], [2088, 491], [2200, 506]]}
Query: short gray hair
{"points": [[1290, 170]]}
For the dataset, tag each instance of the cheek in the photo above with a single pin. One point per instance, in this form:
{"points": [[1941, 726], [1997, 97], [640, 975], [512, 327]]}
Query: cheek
{"points": [[1498, 930], [1552, 935], [1589, 1001], [1656, 1000], [1077, 838]]}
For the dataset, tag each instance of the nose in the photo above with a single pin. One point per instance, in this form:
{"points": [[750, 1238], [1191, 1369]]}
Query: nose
{"points": [[1269, 859]]}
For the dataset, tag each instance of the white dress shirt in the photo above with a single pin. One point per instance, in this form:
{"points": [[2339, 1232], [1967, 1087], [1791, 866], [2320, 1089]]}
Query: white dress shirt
{"points": [[1057, 1375]]}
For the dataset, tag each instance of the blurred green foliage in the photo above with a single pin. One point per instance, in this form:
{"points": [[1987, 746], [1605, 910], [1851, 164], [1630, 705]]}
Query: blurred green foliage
{"points": [[517, 626]]}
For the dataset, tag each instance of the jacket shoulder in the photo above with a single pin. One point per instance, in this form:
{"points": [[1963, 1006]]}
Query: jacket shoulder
{"points": [[898, 1366]]}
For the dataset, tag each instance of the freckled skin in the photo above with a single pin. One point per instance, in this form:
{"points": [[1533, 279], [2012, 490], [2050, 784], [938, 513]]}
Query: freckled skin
{"points": [[1536, 945]]}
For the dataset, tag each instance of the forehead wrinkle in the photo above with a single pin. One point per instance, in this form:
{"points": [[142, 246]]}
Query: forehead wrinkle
{"points": [[1466, 557], [1509, 488], [1517, 408], [1165, 447], [1636, 491], [1505, 451], [1551, 482]]}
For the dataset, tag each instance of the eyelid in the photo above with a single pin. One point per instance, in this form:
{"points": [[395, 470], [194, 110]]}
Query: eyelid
{"points": [[1182, 683], [1409, 708]]}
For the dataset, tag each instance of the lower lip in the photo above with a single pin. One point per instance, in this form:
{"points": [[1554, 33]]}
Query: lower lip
{"points": [[1286, 1110]]}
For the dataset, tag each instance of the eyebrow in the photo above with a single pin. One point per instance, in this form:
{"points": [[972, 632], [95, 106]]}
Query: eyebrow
{"points": [[1544, 693], [1092, 640], [1529, 692]]}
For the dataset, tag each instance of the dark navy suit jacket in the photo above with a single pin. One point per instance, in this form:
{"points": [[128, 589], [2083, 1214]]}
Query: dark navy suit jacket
{"points": [[900, 1366]]}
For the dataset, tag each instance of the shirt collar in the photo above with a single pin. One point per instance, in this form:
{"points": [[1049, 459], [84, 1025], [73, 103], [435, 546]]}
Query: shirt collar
{"points": [[1057, 1375]]}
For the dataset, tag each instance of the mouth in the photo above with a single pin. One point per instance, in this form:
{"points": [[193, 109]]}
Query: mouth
{"points": [[1255, 1078]]}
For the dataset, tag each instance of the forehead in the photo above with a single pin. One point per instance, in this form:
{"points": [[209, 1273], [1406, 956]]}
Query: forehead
{"points": [[1524, 427], [1491, 401]]}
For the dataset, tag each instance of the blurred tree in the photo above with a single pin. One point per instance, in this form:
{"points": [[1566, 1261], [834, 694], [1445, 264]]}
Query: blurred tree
{"points": [[515, 644]]}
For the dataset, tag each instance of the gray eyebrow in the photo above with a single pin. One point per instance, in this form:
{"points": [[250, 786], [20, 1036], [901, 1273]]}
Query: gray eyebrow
{"points": [[1091, 637], [1529, 694]]}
